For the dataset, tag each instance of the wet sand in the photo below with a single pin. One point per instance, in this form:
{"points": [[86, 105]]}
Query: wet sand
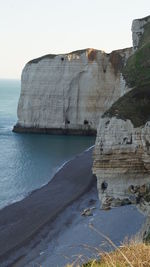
{"points": [[22, 222], [72, 238], [46, 228]]}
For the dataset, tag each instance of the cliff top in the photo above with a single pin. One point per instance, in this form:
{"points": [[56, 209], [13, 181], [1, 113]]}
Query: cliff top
{"points": [[144, 18], [90, 52], [51, 56], [135, 104]]}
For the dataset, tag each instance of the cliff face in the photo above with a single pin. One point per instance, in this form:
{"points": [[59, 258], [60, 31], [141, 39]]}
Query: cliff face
{"points": [[138, 29], [68, 93], [122, 161], [122, 151]]}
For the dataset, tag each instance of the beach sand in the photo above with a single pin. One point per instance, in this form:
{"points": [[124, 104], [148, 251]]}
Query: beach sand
{"points": [[22, 221], [73, 238], [46, 229]]}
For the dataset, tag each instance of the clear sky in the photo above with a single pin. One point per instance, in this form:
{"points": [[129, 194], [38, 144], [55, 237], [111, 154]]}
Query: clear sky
{"points": [[32, 28]]}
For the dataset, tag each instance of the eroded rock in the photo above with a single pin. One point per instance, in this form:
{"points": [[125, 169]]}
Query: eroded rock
{"points": [[121, 161], [68, 93], [88, 211]]}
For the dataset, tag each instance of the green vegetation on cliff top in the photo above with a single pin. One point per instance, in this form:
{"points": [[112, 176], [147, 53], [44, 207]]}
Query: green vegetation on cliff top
{"points": [[137, 70], [135, 105]]}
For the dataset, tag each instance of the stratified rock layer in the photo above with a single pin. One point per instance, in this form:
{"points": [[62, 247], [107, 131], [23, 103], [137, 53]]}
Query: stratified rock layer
{"points": [[121, 161], [122, 150], [68, 93]]}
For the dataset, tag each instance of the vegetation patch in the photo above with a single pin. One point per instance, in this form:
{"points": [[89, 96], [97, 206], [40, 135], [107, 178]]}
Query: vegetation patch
{"points": [[135, 106], [146, 35], [137, 70], [128, 255]]}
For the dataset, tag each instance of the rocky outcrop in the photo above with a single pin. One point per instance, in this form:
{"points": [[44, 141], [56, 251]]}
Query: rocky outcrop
{"points": [[138, 28], [122, 150], [68, 93], [122, 162]]}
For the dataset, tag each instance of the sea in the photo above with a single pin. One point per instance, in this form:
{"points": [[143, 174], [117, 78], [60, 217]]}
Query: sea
{"points": [[29, 161]]}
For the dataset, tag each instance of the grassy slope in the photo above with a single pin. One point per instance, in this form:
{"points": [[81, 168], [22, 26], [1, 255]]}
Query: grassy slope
{"points": [[129, 255], [135, 105], [132, 255]]}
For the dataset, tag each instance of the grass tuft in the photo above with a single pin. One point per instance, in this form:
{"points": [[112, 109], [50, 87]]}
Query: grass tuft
{"points": [[128, 255]]}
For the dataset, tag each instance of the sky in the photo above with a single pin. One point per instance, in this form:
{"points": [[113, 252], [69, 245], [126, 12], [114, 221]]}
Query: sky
{"points": [[33, 28]]}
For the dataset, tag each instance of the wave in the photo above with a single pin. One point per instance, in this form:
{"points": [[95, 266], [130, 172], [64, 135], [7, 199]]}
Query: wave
{"points": [[6, 130], [12, 201], [89, 148]]}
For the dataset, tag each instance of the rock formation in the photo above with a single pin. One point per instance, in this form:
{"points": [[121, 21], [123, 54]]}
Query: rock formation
{"points": [[76, 92], [122, 161], [68, 93], [138, 28], [122, 151]]}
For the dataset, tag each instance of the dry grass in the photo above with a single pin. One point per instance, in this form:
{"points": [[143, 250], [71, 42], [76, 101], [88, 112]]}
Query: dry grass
{"points": [[132, 254]]}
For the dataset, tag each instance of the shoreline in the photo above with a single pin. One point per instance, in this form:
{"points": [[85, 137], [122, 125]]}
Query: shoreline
{"points": [[20, 222], [55, 131], [71, 235], [47, 224]]}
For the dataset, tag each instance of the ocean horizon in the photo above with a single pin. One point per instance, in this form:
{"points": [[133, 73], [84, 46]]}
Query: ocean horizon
{"points": [[29, 161]]}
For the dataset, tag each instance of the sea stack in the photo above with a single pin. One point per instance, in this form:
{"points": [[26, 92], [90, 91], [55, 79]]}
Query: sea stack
{"points": [[67, 94]]}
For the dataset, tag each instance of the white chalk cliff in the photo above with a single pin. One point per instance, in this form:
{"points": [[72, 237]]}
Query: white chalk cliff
{"points": [[122, 150], [121, 161], [68, 93], [89, 91]]}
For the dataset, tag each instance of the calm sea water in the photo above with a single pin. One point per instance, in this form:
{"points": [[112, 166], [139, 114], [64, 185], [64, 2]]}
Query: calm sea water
{"points": [[28, 161]]}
